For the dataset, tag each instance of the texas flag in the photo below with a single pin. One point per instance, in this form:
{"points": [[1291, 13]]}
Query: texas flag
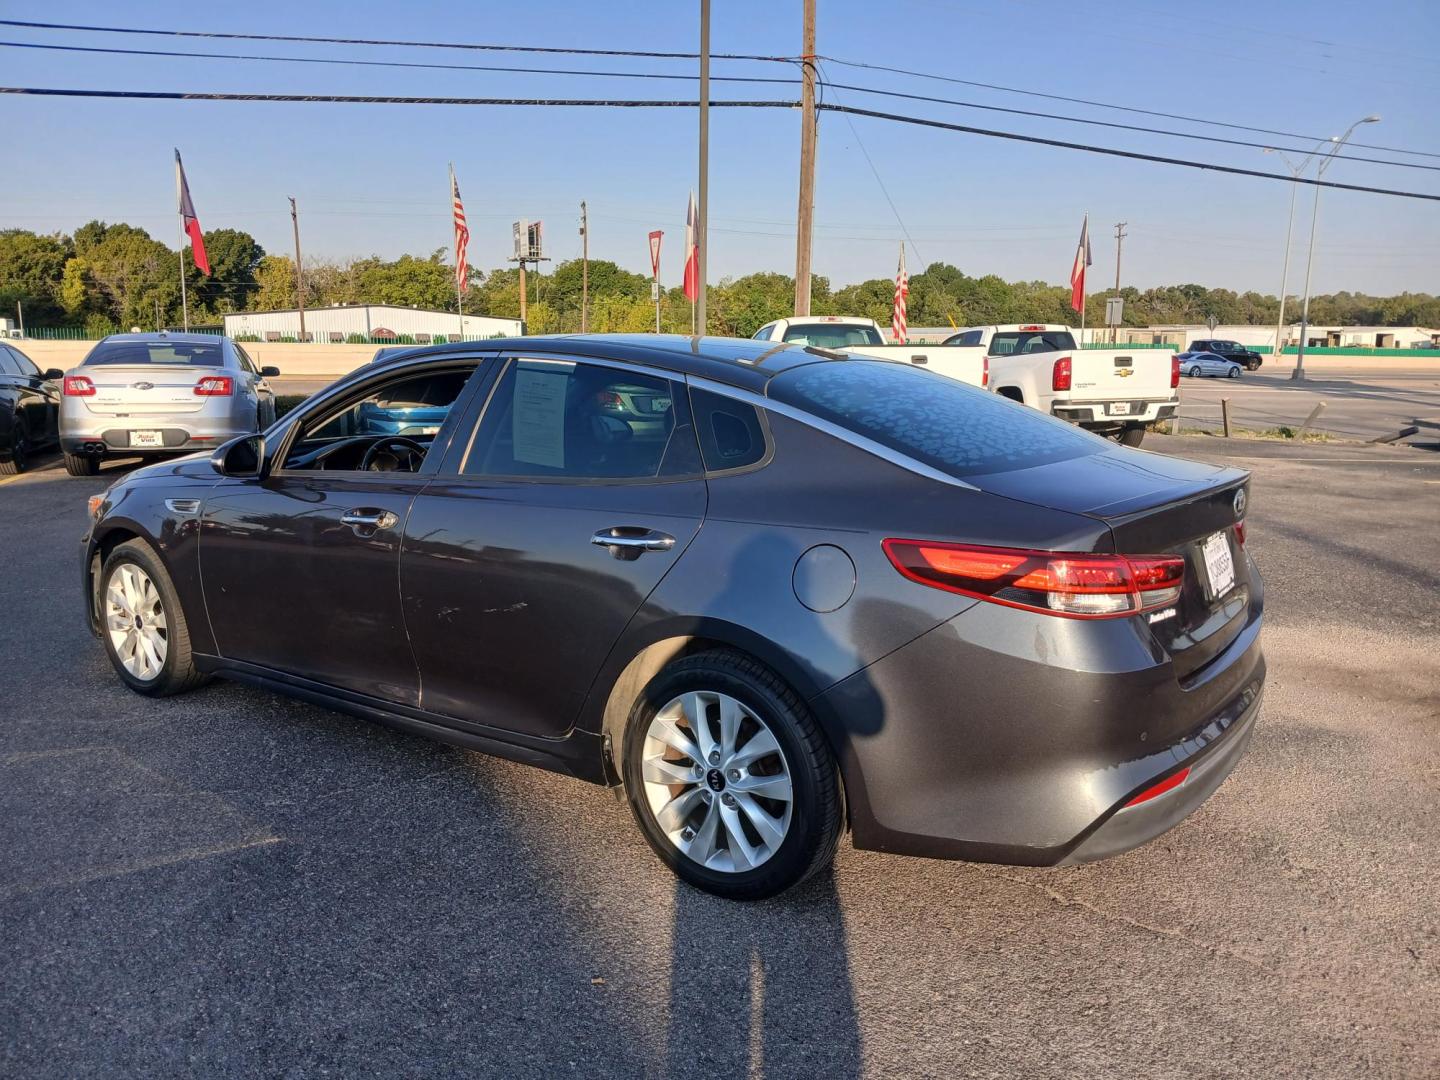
{"points": [[1077, 271], [692, 255], [188, 220]]}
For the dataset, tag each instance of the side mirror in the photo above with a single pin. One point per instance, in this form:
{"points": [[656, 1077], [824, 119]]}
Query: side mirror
{"points": [[242, 458], [270, 372], [54, 374]]}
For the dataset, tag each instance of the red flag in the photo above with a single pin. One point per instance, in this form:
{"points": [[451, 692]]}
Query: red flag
{"points": [[1077, 271], [692, 255], [462, 236], [189, 220], [898, 330]]}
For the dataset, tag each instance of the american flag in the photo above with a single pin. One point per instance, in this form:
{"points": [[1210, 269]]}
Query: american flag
{"points": [[898, 329], [462, 236]]}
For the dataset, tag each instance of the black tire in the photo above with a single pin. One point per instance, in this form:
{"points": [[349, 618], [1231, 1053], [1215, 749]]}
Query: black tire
{"points": [[1131, 436], [1253, 365], [1233, 373], [817, 814], [82, 464], [19, 457], [177, 673]]}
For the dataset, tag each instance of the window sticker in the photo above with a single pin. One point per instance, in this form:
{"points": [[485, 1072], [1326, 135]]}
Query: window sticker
{"points": [[538, 416]]}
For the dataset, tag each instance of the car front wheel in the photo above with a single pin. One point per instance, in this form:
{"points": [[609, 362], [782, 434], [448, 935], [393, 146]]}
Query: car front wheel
{"points": [[730, 778], [143, 625]]}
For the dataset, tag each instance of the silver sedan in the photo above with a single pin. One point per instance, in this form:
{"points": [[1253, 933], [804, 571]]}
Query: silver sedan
{"points": [[1196, 364]]}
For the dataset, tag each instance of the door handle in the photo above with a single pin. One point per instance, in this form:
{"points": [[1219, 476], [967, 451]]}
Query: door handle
{"points": [[627, 542], [368, 519]]}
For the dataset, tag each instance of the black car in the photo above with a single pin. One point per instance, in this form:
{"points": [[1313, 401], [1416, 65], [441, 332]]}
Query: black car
{"points": [[1230, 350], [795, 593], [29, 409]]}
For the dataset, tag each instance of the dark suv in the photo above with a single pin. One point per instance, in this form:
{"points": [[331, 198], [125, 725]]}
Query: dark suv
{"points": [[1230, 350]]}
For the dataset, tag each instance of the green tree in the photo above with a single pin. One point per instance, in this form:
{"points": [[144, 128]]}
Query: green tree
{"points": [[31, 269]]}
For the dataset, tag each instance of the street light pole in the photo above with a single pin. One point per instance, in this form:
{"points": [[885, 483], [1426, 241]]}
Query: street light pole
{"points": [[1336, 143], [1295, 172]]}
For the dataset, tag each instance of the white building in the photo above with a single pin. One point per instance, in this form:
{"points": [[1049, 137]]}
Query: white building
{"points": [[1317, 336], [368, 322]]}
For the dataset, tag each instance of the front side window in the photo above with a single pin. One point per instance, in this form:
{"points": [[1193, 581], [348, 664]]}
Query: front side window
{"points": [[8, 366], [960, 430], [560, 419], [202, 354]]}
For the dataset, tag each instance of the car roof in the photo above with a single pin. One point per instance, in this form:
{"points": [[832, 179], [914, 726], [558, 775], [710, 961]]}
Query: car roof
{"points": [[741, 362], [165, 335]]}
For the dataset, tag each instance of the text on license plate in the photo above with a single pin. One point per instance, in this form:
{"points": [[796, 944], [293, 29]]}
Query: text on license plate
{"points": [[1125, 408], [1219, 566], [147, 438]]}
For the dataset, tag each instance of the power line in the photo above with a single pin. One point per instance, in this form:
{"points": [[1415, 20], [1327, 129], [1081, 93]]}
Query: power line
{"points": [[413, 65], [650, 103], [380, 41], [1110, 105]]}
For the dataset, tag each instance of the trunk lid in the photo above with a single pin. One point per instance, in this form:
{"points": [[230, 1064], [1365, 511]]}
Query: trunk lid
{"points": [[146, 389], [1155, 505]]}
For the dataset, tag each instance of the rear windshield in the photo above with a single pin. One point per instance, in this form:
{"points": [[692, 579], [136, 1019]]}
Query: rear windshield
{"points": [[960, 430], [1006, 342], [202, 354], [832, 335]]}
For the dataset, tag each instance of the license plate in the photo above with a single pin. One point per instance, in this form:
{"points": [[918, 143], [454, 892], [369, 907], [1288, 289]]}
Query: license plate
{"points": [[147, 438], [1219, 566], [1124, 408]]}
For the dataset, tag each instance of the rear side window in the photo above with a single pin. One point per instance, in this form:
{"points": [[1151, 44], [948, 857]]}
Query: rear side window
{"points": [[969, 337], [201, 354], [832, 335], [1018, 342], [730, 432], [958, 429]]}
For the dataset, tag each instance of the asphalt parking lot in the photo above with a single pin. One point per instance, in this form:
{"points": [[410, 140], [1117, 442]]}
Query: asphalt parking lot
{"points": [[231, 883]]}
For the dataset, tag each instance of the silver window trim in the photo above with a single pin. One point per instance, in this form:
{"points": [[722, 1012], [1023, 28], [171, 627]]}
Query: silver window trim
{"points": [[860, 442]]}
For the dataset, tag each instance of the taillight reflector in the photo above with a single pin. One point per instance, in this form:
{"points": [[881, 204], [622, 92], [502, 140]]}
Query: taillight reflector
{"points": [[1172, 781], [1060, 377], [985, 372], [1079, 585], [1240, 533], [79, 386], [215, 386], [1174, 372]]}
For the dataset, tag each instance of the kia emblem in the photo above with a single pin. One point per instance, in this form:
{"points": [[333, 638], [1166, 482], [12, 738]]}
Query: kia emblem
{"points": [[1240, 500]]}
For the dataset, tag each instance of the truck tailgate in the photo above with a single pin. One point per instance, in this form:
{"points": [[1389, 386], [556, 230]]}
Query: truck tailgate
{"points": [[1119, 375]]}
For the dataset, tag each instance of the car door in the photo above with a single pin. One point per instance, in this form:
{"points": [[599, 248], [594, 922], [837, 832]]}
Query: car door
{"points": [[524, 560], [301, 569], [39, 399], [264, 395]]}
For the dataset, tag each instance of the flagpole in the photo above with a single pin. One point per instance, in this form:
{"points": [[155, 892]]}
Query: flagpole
{"points": [[180, 233], [1084, 284], [459, 288]]}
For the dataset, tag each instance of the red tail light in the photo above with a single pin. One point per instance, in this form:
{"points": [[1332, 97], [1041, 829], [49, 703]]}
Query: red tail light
{"points": [[1060, 377], [1240, 533], [215, 386], [1073, 584], [79, 386], [985, 372], [1174, 780], [608, 399], [1174, 372]]}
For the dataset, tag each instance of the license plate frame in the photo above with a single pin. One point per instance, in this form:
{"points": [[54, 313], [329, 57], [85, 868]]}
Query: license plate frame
{"points": [[1219, 563], [1124, 408], [147, 439]]}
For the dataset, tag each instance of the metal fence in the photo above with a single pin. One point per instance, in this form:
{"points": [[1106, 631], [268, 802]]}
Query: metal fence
{"points": [[81, 333]]}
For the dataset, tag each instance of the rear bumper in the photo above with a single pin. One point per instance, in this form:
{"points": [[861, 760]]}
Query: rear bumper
{"points": [[1097, 412], [107, 438]]}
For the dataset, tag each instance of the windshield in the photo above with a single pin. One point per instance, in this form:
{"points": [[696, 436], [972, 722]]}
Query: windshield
{"points": [[201, 354], [958, 429], [1007, 342], [832, 335]]}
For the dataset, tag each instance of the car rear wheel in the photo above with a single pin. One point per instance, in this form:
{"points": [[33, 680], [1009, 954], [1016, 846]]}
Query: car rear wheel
{"points": [[1132, 435], [143, 625], [730, 779], [82, 464], [19, 450], [1195, 372]]}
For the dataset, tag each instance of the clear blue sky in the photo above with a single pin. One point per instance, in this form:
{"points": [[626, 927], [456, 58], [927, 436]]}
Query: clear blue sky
{"points": [[372, 179]]}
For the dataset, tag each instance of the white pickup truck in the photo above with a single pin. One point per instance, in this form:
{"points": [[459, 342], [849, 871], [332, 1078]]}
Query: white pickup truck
{"points": [[849, 334], [1112, 392]]}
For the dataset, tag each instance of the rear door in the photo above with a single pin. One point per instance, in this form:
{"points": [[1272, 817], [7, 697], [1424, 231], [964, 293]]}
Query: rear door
{"points": [[544, 533]]}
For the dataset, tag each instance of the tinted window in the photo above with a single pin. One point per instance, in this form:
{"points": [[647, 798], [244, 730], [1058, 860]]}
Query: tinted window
{"points": [[730, 433], [246, 364], [197, 354], [8, 366], [763, 333], [1008, 342], [559, 418], [23, 363], [414, 407], [956, 428], [832, 335]]}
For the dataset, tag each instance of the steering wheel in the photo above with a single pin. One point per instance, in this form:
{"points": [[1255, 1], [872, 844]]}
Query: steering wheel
{"points": [[413, 454]]}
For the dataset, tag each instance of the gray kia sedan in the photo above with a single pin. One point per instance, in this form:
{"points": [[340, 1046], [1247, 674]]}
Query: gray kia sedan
{"points": [[160, 394], [796, 593]]}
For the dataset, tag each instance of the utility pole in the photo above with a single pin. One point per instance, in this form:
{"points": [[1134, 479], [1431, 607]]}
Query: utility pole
{"points": [[20, 316], [584, 270], [299, 273], [523, 291], [1119, 243], [702, 225], [805, 214], [158, 327]]}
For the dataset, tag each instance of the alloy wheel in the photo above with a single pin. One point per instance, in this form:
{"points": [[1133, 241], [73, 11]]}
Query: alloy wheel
{"points": [[717, 782], [135, 621]]}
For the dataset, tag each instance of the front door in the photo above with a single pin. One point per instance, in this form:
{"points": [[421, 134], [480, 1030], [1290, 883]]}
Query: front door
{"points": [[525, 560], [301, 570]]}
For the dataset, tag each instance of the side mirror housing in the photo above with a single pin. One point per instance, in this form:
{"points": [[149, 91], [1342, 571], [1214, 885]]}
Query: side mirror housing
{"points": [[270, 372], [241, 458], [54, 374]]}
